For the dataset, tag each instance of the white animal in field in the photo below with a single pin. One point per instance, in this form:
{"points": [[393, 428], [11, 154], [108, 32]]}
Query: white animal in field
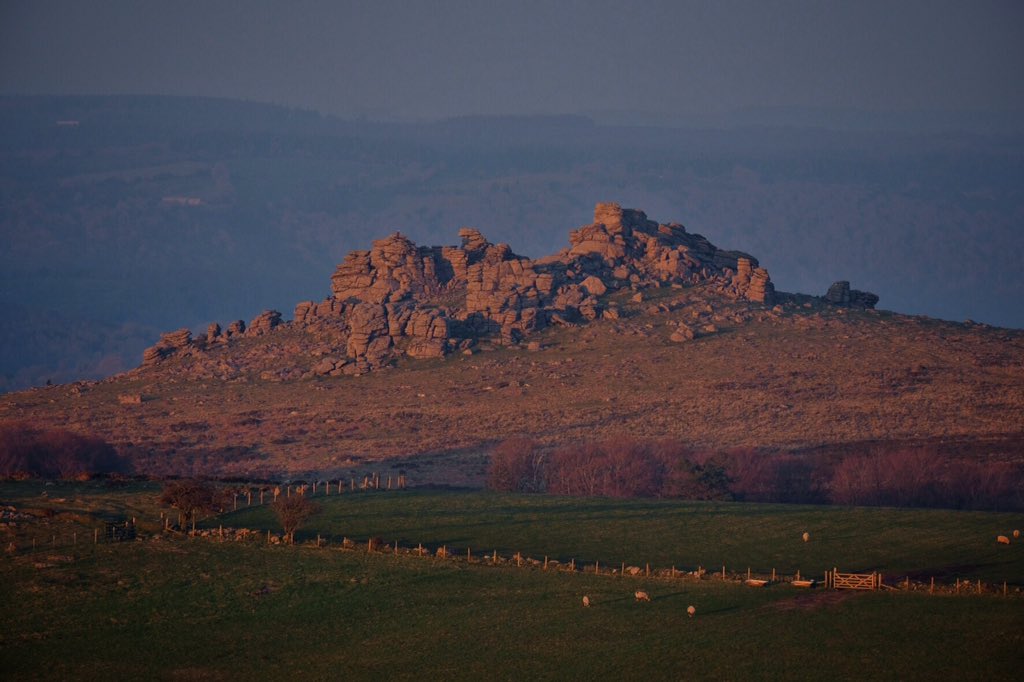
{"points": [[1003, 540], [1016, 533], [642, 596], [586, 600], [690, 610], [806, 537]]}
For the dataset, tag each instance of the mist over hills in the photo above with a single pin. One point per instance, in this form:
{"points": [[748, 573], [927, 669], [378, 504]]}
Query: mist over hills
{"points": [[151, 213]]}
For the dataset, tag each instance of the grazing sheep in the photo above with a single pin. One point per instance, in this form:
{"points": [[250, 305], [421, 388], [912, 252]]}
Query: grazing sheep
{"points": [[1016, 533], [806, 537], [642, 596], [690, 610], [586, 601], [1003, 540]]}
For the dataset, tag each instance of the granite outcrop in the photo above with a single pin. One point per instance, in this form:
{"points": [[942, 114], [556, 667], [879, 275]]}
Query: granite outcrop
{"points": [[398, 298]]}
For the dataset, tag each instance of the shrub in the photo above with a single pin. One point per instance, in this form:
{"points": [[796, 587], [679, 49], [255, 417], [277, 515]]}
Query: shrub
{"points": [[517, 465], [27, 451]]}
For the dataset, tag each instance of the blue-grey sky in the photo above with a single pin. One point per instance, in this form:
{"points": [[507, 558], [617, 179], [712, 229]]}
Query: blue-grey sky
{"points": [[415, 60]]}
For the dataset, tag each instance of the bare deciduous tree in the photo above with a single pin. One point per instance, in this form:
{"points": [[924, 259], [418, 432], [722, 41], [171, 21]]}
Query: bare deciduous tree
{"points": [[292, 512]]}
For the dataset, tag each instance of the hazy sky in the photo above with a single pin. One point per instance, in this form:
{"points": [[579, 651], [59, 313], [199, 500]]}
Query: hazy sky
{"points": [[449, 57]]}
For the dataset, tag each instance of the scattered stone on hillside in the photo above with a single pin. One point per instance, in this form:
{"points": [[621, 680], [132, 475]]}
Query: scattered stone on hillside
{"points": [[324, 366], [213, 333], [841, 294], [594, 286], [682, 334], [236, 328]]}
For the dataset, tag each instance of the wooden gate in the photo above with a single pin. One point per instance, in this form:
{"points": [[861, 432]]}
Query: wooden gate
{"points": [[852, 581]]}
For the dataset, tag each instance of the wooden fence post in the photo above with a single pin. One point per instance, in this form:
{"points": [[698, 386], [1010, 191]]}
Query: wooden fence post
{"points": [[931, 589], [648, 571], [96, 536], [723, 571], [773, 575]]}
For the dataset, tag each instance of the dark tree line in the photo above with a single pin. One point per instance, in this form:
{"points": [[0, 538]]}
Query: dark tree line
{"points": [[624, 467]]}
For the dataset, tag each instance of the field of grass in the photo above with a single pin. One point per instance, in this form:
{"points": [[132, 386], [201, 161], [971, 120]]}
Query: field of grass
{"points": [[941, 543], [178, 608]]}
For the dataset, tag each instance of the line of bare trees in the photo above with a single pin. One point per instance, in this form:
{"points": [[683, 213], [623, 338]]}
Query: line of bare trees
{"points": [[625, 467]]}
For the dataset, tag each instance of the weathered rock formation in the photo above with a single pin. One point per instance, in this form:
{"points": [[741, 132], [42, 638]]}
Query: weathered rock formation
{"points": [[169, 344], [841, 294], [425, 302]]}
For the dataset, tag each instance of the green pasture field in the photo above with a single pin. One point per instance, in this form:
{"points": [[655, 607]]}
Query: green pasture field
{"points": [[936, 543], [180, 608]]}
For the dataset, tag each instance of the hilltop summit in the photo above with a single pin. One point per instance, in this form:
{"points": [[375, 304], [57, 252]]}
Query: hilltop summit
{"points": [[433, 354]]}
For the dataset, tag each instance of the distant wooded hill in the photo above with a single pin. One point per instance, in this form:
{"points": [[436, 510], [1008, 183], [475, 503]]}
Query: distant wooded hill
{"points": [[135, 214]]}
